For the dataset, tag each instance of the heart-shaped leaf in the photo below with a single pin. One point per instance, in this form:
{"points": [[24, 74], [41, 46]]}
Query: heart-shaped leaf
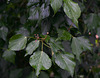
{"points": [[40, 61], [56, 4], [17, 42]]}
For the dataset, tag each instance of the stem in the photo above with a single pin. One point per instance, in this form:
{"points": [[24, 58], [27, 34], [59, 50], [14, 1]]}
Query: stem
{"points": [[42, 46], [31, 37], [34, 38], [46, 45], [43, 38], [3, 48]]}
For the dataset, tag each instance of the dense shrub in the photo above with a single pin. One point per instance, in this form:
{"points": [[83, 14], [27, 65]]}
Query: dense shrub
{"points": [[49, 38]]}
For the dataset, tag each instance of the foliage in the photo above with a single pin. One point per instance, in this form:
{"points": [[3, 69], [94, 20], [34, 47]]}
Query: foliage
{"points": [[49, 38]]}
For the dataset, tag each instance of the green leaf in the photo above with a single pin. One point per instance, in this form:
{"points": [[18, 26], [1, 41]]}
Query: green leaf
{"points": [[98, 31], [32, 2], [32, 75], [40, 61], [92, 21], [3, 32], [56, 4], [79, 45], [17, 73], [72, 10], [17, 42], [66, 61], [38, 13], [63, 35], [44, 75], [23, 31], [44, 11], [55, 46], [9, 56], [34, 13], [32, 46]]}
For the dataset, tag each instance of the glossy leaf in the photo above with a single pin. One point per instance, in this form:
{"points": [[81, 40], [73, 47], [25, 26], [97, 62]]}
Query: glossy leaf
{"points": [[79, 45], [70, 23], [66, 62], [3, 32], [9, 56], [63, 35], [17, 42], [38, 13], [72, 10], [34, 13], [56, 4], [32, 46], [44, 11], [40, 61], [55, 46]]}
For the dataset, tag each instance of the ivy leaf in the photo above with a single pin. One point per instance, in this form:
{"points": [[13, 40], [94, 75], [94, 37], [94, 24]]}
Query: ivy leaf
{"points": [[65, 61], [72, 10], [79, 45], [9, 56], [3, 32], [40, 61], [17, 42], [63, 35], [32, 46], [56, 4]]}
